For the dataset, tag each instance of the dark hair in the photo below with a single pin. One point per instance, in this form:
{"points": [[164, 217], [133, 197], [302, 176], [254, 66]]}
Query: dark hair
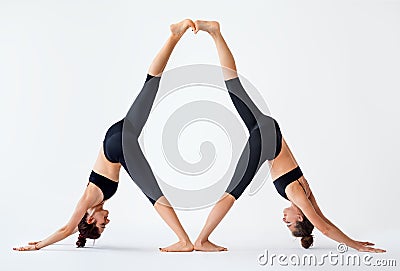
{"points": [[86, 230], [303, 229]]}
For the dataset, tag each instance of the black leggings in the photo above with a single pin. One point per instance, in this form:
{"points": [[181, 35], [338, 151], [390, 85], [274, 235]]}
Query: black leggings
{"points": [[124, 147], [264, 143]]}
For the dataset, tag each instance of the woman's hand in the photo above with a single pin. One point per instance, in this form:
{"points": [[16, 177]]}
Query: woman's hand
{"points": [[29, 247], [366, 247], [364, 243]]}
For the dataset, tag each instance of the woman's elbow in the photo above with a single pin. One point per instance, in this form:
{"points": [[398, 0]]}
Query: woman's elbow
{"points": [[66, 230], [325, 230]]}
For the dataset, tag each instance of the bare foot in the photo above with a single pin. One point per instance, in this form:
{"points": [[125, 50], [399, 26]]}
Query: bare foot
{"points": [[181, 246], [208, 246], [211, 27], [180, 28]]}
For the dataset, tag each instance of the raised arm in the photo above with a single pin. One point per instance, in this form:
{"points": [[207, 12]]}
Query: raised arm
{"points": [[311, 210], [91, 197]]}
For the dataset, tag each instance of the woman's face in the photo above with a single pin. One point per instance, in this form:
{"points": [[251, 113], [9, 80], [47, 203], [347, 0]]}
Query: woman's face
{"points": [[291, 215], [101, 218]]}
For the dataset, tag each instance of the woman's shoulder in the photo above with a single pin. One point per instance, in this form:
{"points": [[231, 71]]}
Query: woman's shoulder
{"points": [[298, 186]]}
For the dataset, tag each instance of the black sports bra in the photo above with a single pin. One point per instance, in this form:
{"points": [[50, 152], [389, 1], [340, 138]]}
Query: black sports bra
{"points": [[107, 186], [286, 179]]}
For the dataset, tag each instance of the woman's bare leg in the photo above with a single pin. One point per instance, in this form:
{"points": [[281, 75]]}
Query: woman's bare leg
{"points": [[224, 53], [168, 214], [161, 59], [162, 205], [225, 203], [214, 218]]}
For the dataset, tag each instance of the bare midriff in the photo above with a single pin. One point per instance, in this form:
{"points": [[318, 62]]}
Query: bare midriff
{"points": [[284, 163], [106, 168]]}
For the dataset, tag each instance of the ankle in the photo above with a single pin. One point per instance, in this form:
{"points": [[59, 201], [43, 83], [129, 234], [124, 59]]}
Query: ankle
{"points": [[201, 241], [185, 239], [175, 37], [215, 34]]}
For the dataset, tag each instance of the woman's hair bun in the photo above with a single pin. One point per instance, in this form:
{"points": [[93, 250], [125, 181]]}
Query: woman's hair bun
{"points": [[307, 241], [81, 241], [86, 230]]}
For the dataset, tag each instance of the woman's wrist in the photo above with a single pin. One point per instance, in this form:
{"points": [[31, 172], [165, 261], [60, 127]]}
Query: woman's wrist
{"points": [[37, 246], [353, 244]]}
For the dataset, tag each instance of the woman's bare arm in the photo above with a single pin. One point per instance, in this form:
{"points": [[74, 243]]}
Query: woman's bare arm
{"points": [[298, 197], [91, 196], [319, 212]]}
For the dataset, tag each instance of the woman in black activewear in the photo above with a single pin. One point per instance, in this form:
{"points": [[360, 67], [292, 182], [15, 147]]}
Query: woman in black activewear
{"points": [[89, 216], [265, 143]]}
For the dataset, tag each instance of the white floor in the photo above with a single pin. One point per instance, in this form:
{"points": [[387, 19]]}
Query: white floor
{"points": [[115, 253]]}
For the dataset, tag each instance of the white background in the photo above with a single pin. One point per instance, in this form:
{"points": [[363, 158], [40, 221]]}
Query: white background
{"points": [[329, 71]]}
